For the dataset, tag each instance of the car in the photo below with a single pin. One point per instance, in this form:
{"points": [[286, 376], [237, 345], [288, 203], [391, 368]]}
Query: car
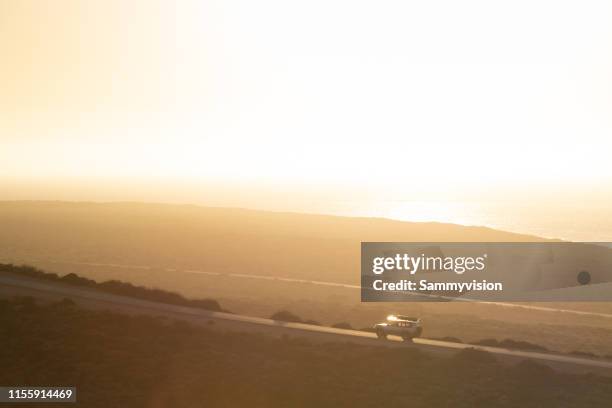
{"points": [[405, 327]]}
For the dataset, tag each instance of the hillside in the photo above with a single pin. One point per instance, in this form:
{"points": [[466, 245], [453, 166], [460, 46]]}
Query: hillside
{"points": [[114, 287], [164, 246], [210, 239], [116, 360]]}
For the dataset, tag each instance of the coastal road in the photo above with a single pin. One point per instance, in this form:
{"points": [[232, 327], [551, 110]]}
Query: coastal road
{"points": [[549, 295], [14, 285]]}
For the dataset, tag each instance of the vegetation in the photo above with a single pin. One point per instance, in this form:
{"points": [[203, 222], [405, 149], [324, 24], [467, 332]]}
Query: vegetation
{"points": [[286, 316], [583, 354], [370, 329], [511, 344], [164, 246], [342, 325], [157, 295], [114, 287], [208, 239], [449, 339], [118, 360], [312, 322], [506, 343]]}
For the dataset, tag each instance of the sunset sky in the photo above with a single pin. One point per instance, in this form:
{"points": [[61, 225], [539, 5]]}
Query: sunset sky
{"points": [[158, 100]]}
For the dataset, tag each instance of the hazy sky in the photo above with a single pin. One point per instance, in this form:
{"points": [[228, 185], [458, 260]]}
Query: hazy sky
{"points": [[402, 97]]}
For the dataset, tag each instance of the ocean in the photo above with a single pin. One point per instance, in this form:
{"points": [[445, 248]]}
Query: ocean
{"points": [[583, 223]]}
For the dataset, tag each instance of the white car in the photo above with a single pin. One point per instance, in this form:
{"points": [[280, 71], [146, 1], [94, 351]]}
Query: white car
{"points": [[398, 325]]}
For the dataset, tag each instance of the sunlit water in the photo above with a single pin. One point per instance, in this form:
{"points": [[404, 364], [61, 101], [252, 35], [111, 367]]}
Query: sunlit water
{"points": [[565, 222]]}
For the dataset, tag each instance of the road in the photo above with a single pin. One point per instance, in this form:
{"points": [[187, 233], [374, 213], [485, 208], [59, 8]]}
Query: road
{"points": [[541, 295], [12, 285]]}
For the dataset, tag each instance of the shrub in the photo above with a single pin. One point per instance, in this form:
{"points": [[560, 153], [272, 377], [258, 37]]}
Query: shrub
{"points": [[286, 316], [449, 339], [312, 322], [115, 287], [511, 344], [583, 354]]}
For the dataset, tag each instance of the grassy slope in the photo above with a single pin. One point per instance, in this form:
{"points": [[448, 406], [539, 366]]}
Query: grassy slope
{"points": [[114, 287], [281, 244], [116, 360], [211, 239]]}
